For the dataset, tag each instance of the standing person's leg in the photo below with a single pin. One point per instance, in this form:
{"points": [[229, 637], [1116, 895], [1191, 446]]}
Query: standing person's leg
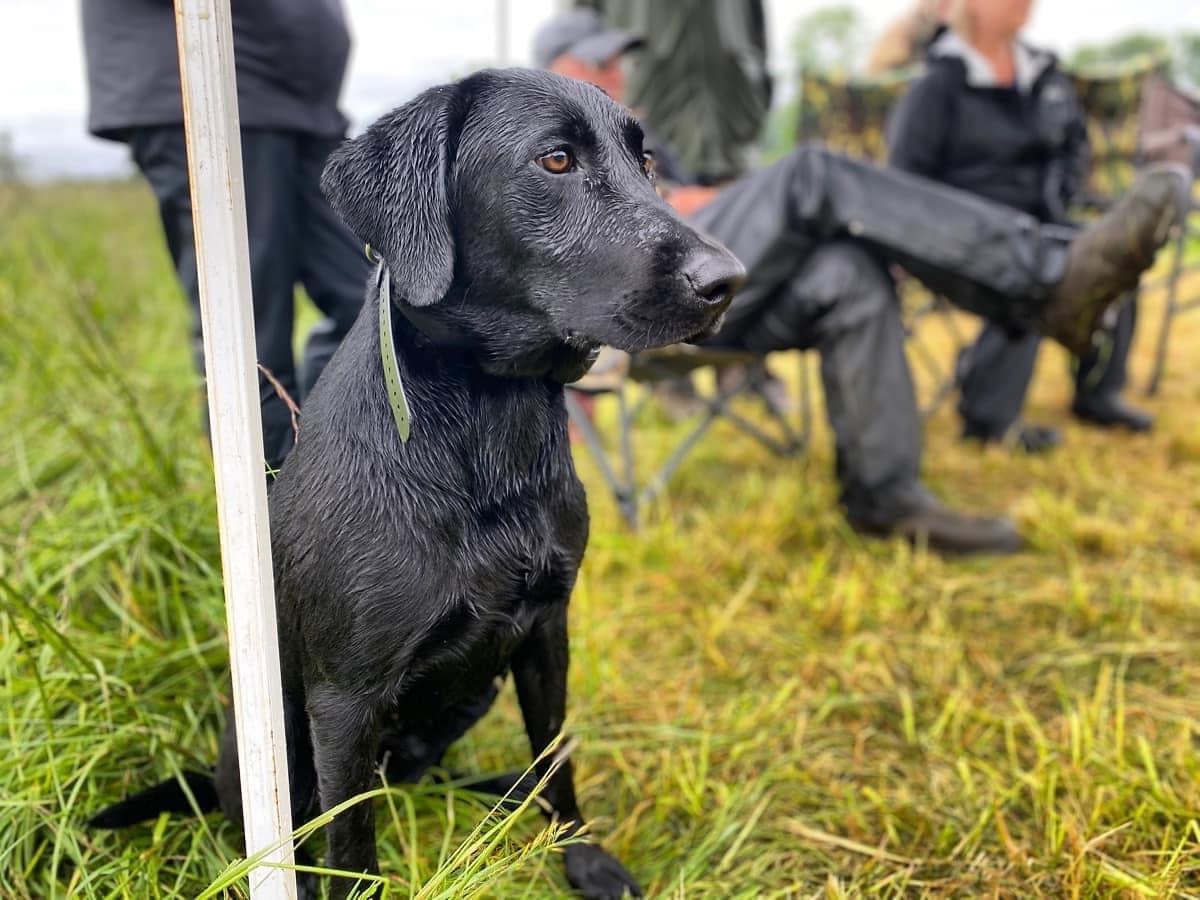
{"points": [[161, 156], [270, 161], [333, 264], [1101, 377]]}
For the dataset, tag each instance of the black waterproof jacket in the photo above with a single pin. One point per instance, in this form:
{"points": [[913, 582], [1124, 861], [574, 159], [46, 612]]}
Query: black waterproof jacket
{"points": [[1024, 145], [290, 55]]}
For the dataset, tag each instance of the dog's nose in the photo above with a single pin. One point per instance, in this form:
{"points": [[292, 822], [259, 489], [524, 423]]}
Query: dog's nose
{"points": [[714, 273]]}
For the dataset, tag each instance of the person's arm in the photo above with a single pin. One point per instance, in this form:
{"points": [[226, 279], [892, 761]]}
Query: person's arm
{"points": [[1068, 173], [920, 124], [896, 47]]}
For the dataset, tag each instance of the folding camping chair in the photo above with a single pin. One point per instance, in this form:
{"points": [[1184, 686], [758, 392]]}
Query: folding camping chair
{"points": [[1111, 98], [1135, 116], [1169, 131], [850, 115], [629, 379]]}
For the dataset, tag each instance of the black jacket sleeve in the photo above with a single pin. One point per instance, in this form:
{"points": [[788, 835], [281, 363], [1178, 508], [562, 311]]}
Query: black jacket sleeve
{"points": [[921, 122], [1064, 126]]}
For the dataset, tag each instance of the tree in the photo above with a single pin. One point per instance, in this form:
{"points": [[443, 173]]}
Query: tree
{"points": [[830, 39], [1127, 48], [1181, 54], [1187, 59]]}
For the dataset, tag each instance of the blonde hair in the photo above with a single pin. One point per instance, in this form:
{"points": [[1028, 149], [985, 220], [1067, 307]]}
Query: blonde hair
{"points": [[903, 40]]}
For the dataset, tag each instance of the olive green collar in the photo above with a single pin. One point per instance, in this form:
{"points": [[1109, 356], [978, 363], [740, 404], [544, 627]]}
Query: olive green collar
{"points": [[387, 352]]}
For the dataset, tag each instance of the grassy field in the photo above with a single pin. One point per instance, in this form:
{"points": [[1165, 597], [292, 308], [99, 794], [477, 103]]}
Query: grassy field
{"points": [[767, 705]]}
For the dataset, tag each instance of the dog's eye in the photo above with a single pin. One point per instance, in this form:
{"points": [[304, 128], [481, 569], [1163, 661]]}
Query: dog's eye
{"points": [[649, 165], [557, 162]]}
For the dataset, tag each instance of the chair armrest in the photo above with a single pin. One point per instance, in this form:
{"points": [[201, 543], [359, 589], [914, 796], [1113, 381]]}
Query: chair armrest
{"points": [[607, 374], [682, 359]]}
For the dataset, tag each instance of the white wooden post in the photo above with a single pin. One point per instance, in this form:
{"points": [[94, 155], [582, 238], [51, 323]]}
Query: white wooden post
{"points": [[214, 150]]}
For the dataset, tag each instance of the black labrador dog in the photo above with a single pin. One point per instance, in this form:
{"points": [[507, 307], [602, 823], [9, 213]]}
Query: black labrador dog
{"points": [[515, 213]]}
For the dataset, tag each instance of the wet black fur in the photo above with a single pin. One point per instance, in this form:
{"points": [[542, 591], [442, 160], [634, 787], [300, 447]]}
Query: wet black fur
{"points": [[410, 577]]}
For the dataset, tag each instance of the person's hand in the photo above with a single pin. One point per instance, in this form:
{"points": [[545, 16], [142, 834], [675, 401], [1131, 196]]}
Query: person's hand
{"points": [[686, 200]]}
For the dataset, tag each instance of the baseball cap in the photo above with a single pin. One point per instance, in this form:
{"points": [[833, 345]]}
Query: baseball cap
{"points": [[580, 33]]}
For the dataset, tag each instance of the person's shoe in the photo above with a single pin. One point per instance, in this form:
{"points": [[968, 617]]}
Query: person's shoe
{"points": [[1108, 257], [946, 531], [1111, 411], [1023, 436]]}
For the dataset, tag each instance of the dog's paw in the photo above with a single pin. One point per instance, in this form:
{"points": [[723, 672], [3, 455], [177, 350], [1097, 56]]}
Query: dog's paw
{"points": [[598, 876]]}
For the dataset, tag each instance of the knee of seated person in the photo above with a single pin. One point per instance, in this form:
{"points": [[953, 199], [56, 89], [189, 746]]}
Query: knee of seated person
{"points": [[851, 283], [807, 160], [852, 272]]}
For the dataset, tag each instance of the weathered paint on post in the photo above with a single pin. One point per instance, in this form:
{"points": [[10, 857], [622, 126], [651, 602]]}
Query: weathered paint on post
{"points": [[214, 143]]}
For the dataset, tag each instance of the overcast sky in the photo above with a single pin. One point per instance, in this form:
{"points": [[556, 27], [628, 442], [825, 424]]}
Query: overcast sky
{"points": [[402, 45]]}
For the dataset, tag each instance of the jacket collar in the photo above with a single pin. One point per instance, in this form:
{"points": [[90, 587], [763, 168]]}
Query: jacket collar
{"points": [[1031, 63]]}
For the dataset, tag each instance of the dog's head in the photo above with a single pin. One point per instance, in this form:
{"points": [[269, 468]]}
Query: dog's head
{"points": [[516, 212]]}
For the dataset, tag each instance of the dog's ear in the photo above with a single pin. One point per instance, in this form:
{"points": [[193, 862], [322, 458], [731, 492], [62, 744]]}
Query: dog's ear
{"points": [[391, 186]]}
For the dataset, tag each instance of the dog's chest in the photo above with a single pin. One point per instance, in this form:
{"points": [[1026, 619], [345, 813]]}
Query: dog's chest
{"points": [[498, 602], [521, 558], [516, 556], [430, 563]]}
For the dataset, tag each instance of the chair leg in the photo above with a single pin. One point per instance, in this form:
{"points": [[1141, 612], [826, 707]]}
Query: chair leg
{"points": [[789, 446], [717, 407], [624, 485], [623, 492], [790, 443], [656, 483], [943, 379], [806, 402], [794, 437], [1164, 331], [626, 415]]}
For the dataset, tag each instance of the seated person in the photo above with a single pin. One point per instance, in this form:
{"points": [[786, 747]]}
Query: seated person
{"points": [[817, 232], [996, 117]]}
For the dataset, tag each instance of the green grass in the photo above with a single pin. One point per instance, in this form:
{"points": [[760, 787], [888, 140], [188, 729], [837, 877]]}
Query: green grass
{"points": [[767, 706]]}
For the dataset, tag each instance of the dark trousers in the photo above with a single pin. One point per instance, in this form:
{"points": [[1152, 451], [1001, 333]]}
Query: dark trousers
{"points": [[816, 232], [995, 371], [295, 239]]}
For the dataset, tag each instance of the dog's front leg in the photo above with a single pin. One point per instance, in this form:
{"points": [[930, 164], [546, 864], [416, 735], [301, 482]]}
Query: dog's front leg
{"points": [[344, 740], [540, 671]]}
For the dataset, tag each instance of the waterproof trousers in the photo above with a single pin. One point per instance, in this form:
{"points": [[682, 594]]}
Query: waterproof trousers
{"points": [[817, 232]]}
